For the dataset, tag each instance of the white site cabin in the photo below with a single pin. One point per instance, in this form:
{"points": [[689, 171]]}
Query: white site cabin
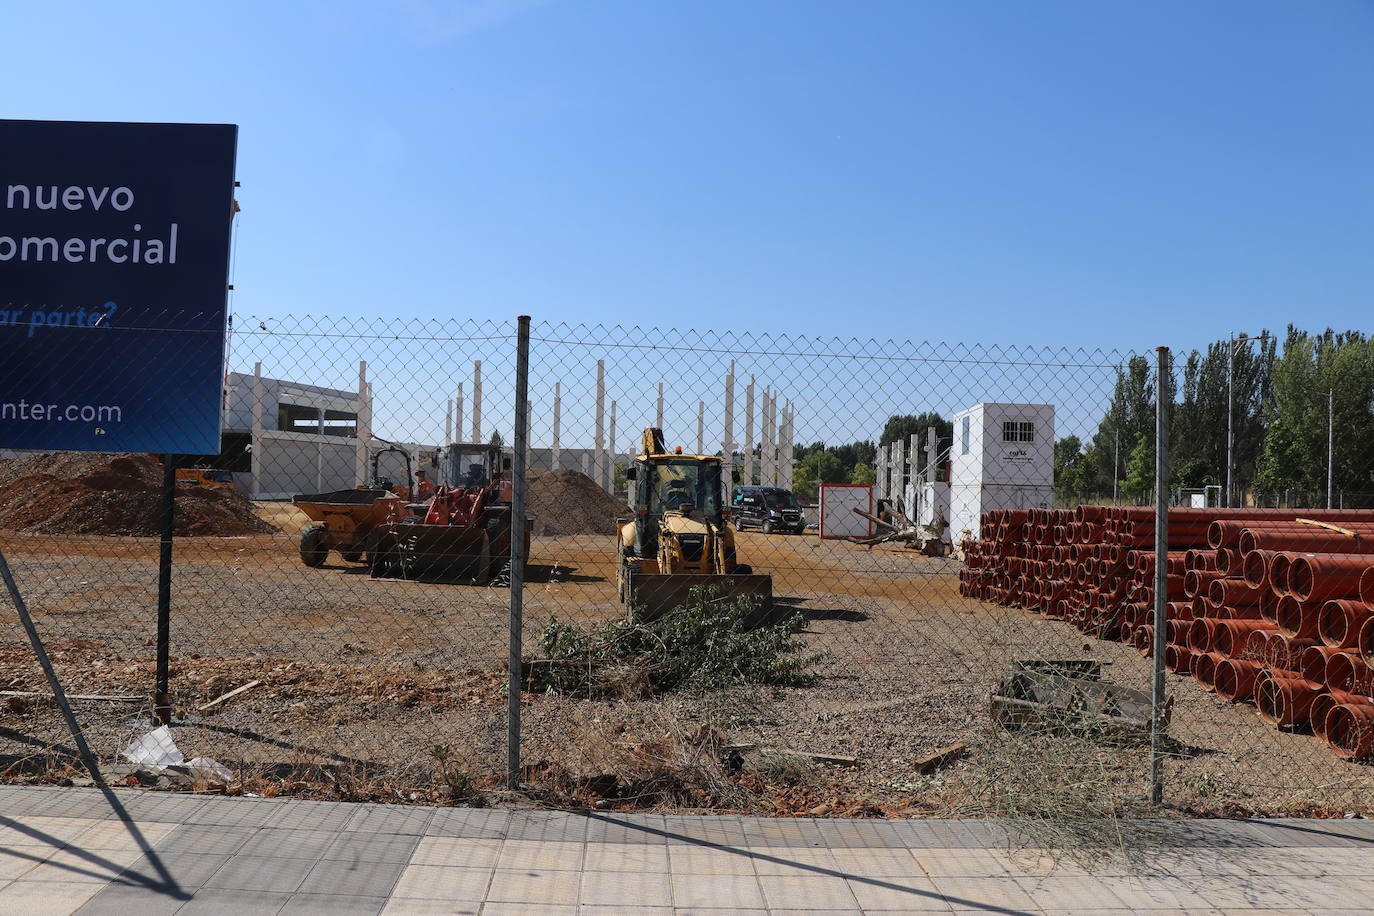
{"points": [[1003, 458]]}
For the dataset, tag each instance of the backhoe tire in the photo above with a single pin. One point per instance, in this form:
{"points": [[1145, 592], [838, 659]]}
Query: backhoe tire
{"points": [[314, 550], [353, 556], [743, 569]]}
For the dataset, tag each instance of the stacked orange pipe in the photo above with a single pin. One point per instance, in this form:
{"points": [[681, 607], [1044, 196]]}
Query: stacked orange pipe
{"points": [[1274, 606]]}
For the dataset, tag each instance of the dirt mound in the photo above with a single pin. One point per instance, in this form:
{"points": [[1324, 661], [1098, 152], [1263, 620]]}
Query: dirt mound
{"points": [[569, 502], [92, 493]]}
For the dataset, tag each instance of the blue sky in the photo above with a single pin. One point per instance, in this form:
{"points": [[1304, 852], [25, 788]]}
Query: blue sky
{"points": [[1056, 173]]}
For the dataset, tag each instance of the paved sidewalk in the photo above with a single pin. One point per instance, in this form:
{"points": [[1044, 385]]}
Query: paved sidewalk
{"points": [[66, 851]]}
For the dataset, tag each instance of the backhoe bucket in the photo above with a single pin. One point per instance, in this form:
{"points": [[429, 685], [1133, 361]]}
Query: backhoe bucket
{"points": [[651, 595]]}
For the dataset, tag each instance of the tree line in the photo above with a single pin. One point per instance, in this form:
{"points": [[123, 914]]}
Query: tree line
{"points": [[1278, 395], [1279, 420]]}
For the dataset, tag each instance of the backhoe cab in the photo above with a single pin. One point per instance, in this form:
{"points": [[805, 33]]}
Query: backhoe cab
{"points": [[678, 538]]}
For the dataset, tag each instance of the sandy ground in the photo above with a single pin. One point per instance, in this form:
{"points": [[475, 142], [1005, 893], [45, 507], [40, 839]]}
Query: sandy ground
{"points": [[376, 674]]}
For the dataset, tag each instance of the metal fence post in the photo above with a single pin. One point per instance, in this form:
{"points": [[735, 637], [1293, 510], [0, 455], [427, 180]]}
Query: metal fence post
{"points": [[162, 693], [1158, 700], [517, 548]]}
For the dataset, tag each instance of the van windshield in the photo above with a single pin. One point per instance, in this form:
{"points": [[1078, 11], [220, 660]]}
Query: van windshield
{"points": [[780, 500]]}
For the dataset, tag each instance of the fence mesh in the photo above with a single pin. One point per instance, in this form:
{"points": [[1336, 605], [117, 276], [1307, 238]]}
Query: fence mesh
{"points": [[775, 614]]}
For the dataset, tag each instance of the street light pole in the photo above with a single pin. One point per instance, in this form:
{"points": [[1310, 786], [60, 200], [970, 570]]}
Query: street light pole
{"points": [[1330, 441]]}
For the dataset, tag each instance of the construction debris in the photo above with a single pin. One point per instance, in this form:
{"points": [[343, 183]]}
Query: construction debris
{"points": [[932, 762], [228, 696], [1069, 697], [929, 539]]}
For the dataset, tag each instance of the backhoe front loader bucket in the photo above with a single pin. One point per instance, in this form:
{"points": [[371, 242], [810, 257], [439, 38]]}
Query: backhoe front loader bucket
{"points": [[651, 595]]}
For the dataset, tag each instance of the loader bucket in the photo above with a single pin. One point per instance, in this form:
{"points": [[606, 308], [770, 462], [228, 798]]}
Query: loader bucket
{"points": [[651, 595], [439, 551]]}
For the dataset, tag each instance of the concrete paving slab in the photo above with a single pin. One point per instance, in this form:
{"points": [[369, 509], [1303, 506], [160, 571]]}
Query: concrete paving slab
{"points": [[123, 900], [626, 889], [902, 895], [289, 844], [718, 891], [384, 847], [438, 882], [188, 869], [332, 905], [793, 862], [261, 873], [220, 902], [358, 879], [45, 898], [529, 886], [626, 857], [706, 860], [803, 891], [410, 906]]}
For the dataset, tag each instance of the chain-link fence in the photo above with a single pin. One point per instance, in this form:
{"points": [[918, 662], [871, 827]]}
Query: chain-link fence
{"points": [[762, 575]]}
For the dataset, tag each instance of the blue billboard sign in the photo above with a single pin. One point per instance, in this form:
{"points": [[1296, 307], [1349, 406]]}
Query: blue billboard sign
{"points": [[114, 263]]}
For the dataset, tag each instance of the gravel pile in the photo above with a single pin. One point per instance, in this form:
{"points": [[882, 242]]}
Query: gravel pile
{"points": [[91, 493]]}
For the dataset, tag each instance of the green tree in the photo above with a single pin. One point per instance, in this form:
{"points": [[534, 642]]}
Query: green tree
{"points": [[1140, 472], [1068, 466], [901, 427], [863, 474], [1294, 453]]}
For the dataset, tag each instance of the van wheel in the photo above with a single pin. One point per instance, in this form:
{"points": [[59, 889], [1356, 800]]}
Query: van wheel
{"points": [[768, 527]]}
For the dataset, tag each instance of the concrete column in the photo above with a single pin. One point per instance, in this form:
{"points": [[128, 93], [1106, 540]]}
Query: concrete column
{"points": [[586, 464], [610, 472], [477, 400], [658, 417], [600, 475], [364, 427], [701, 427], [749, 465], [789, 446], [557, 424], [458, 415], [766, 440], [448, 422], [727, 439], [255, 448]]}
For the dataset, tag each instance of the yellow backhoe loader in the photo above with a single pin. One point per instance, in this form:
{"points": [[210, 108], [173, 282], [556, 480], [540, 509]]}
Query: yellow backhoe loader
{"points": [[678, 538]]}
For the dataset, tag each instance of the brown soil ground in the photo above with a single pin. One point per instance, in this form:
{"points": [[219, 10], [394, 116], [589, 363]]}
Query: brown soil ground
{"points": [[89, 493], [368, 677]]}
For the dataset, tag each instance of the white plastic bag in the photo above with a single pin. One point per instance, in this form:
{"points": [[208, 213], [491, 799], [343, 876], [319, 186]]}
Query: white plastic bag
{"points": [[208, 769], [156, 750]]}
